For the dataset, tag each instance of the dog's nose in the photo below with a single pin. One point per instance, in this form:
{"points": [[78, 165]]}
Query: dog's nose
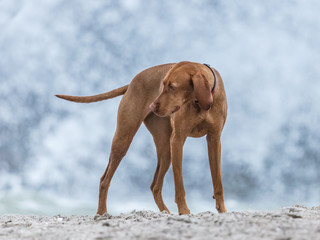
{"points": [[153, 106]]}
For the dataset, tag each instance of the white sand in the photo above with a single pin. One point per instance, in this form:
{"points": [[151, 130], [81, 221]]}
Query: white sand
{"points": [[297, 222]]}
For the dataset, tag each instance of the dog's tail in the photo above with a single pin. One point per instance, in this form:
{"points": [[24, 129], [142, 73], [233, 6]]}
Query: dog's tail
{"points": [[95, 98]]}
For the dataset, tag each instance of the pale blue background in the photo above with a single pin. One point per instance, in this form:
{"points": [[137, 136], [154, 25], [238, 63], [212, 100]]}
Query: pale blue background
{"points": [[52, 152]]}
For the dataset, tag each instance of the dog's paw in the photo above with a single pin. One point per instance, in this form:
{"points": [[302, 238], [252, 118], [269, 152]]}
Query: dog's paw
{"points": [[99, 217], [221, 208], [184, 210], [165, 211]]}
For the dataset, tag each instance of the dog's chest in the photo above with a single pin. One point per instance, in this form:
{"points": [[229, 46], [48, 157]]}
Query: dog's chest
{"points": [[191, 120], [198, 131]]}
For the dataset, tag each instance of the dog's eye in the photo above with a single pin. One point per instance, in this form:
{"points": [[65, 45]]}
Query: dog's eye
{"points": [[171, 87]]}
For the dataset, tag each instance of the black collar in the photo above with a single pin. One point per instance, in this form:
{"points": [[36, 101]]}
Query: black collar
{"points": [[214, 78]]}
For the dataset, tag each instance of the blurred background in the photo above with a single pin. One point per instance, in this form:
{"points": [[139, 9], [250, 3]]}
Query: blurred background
{"points": [[53, 152]]}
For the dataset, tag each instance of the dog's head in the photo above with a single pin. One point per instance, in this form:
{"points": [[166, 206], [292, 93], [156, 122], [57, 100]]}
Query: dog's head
{"points": [[184, 82]]}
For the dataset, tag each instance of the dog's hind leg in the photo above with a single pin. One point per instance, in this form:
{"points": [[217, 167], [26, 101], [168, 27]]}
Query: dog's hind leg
{"points": [[161, 131], [129, 120]]}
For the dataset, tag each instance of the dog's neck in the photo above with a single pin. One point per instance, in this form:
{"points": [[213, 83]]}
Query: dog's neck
{"points": [[214, 78]]}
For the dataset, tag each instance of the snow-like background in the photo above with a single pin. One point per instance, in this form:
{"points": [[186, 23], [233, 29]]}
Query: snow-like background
{"points": [[53, 152]]}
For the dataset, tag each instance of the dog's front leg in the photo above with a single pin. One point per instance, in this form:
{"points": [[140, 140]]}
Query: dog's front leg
{"points": [[214, 151], [176, 143]]}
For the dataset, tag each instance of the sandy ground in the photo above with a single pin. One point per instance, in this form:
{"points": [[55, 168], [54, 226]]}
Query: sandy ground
{"points": [[297, 222]]}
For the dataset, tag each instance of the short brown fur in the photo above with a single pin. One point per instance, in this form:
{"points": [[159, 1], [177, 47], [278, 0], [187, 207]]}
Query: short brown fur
{"points": [[175, 102]]}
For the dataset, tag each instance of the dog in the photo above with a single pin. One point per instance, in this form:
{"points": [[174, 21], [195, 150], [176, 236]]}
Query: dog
{"points": [[175, 101]]}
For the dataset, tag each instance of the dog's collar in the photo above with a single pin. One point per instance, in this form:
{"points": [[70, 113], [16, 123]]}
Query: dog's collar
{"points": [[214, 78]]}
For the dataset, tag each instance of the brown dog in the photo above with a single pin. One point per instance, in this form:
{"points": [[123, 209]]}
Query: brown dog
{"points": [[175, 101]]}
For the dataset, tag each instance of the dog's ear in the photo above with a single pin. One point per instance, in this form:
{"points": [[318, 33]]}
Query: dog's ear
{"points": [[202, 91]]}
